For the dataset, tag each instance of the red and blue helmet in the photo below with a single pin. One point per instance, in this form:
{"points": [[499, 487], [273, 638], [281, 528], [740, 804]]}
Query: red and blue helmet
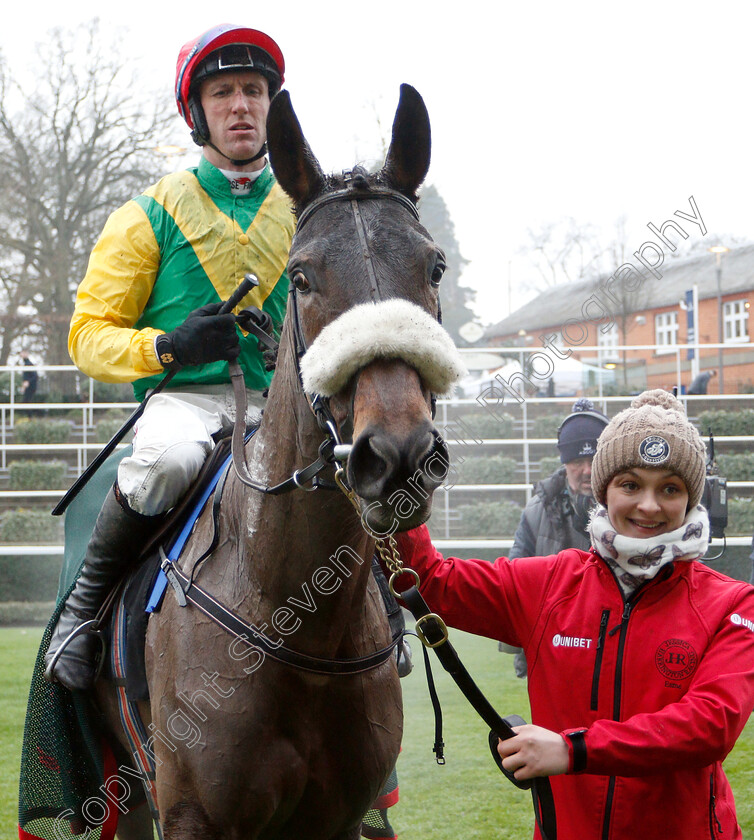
{"points": [[221, 49]]}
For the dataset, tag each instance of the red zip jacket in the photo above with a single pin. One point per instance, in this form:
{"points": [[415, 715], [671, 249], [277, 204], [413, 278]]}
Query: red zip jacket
{"points": [[650, 695]]}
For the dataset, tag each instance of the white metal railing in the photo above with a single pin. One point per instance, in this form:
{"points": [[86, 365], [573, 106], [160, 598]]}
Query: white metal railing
{"points": [[442, 544], [85, 447]]}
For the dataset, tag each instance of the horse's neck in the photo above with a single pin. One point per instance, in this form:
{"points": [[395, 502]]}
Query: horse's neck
{"points": [[307, 549]]}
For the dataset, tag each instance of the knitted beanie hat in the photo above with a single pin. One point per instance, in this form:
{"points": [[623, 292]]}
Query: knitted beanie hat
{"points": [[578, 433], [653, 432]]}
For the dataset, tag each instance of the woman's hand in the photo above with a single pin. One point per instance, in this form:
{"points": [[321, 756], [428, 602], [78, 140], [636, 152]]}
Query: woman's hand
{"points": [[533, 752]]}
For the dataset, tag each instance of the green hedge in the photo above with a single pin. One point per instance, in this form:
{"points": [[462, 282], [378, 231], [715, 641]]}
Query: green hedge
{"points": [[736, 467], [482, 425], [37, 475], [724, 423], [106, 428], [29, 578], [30, 526], [547, 425], [26, 613], [490, 519], [495, 469], [740, 517], [548, 465], [42, 431]]}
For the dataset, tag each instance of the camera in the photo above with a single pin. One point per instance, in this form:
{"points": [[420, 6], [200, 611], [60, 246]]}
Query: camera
{"points": [[715, 495], [715, 499]]}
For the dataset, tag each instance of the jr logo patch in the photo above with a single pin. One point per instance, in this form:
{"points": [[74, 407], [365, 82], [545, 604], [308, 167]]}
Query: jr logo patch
{"points": [[676, 659]]}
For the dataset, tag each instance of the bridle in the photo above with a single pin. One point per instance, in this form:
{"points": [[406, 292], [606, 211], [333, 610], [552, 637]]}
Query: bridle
{"points": [[332, 449]]}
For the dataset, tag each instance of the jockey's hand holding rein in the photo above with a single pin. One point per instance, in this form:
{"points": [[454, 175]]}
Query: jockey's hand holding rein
{"points": [[207, 335]]}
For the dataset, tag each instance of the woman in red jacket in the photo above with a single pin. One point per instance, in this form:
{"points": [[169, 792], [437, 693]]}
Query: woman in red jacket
{"points": [[641, 658]]}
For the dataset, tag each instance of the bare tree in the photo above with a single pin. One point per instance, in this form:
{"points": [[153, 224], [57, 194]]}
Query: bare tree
{"points": [[563, 252], [77, 147]]}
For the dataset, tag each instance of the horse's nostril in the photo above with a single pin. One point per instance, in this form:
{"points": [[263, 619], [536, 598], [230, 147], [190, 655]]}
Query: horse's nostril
{"points": [[372, 462], [435, 463]]}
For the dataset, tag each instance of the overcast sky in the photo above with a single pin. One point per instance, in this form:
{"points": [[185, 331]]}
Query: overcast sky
{"points": [[539, 110]]}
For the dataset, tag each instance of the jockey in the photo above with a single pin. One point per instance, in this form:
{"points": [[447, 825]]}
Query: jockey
{"points": [[150, 301]]}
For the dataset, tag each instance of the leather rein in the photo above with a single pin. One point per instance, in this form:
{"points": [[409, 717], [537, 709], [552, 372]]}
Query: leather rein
{"points": [[331, 450], [430, 627]]}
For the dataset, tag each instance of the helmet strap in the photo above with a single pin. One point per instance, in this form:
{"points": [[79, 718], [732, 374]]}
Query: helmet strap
{"points": [[261, 153]]}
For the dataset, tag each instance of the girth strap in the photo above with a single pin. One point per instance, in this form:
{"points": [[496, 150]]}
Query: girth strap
{"points": [[253, 636]]}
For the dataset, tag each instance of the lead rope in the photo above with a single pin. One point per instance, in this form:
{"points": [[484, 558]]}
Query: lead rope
{"points": [[433, 633]]}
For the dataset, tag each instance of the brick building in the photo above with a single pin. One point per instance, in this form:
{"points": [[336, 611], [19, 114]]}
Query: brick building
{"points": [[648, 310]]}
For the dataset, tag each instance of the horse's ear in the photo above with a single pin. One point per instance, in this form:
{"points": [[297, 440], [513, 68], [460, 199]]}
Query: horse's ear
{"points": [[297, 170], [407, 161]]}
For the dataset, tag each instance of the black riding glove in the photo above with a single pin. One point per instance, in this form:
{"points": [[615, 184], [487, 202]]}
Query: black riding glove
{"points": [[205, 336]]}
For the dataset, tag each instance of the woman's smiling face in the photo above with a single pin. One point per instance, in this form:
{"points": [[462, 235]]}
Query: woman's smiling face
{"points": [[643, 503]]}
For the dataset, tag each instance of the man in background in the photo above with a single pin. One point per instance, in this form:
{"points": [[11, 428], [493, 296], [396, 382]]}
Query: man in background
{"points": [[29, 380], [700, 382], [557, 515]]}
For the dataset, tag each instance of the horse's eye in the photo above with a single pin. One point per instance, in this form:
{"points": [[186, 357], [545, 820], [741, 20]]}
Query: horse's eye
{"points": [[300, 281], [437, 273]]}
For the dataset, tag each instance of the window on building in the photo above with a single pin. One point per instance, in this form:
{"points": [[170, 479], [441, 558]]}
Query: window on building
{"points": [[666, 332], [607, 342], [736, 320]]}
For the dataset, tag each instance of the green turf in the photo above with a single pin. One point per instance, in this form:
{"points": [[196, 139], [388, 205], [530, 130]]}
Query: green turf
{"points": [[18, 650], [467, 798]]}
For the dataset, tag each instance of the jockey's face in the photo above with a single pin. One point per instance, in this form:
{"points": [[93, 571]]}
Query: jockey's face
{"points": [[236, 105]]}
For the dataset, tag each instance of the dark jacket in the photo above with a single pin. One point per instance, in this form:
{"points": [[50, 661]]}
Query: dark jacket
{"points": [[547, 524]]}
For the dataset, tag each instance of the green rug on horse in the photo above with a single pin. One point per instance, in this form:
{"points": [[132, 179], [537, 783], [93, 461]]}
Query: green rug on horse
{"points": [[70, 785], [65, 762]]}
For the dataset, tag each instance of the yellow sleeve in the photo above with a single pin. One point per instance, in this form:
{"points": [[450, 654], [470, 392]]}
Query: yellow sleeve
{"points": [[122, 269]]}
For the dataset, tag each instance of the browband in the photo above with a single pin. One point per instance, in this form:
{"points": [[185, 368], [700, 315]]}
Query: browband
{"points": [[351, 194]]}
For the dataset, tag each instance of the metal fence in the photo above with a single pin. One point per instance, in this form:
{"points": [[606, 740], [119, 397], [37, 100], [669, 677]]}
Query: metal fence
{"points": [[84, 413]]}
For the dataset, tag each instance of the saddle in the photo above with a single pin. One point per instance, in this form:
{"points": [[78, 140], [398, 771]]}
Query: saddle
{"points": [[141, 592]]}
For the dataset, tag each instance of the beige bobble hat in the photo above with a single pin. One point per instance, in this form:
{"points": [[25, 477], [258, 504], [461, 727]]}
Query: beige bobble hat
{"points": [[653, 432]]}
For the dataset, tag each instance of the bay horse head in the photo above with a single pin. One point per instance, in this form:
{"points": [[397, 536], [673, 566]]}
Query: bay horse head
{"points": [[365, 277]]}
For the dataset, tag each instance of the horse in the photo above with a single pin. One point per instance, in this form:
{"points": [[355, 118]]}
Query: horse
{"points": [[246, 743]]}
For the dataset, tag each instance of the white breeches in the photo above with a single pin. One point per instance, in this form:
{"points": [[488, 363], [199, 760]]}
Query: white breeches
{"points": [[172, 439]]}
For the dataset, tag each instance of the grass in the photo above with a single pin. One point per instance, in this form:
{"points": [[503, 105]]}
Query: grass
{"points": [[18, 650], [467, 797]]}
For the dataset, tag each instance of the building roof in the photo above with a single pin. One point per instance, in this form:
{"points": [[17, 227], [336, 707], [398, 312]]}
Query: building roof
{"points": [[558, 304]]}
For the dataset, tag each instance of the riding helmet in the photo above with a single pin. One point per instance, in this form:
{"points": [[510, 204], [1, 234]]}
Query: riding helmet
{"points": [[221, 49]]}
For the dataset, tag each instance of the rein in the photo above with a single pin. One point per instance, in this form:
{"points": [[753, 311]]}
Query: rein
{"points": [[433, 633], [332, 449]]}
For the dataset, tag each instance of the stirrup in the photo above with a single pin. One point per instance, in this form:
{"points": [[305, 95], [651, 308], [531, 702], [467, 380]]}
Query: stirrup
{"points": [[89, 626]]}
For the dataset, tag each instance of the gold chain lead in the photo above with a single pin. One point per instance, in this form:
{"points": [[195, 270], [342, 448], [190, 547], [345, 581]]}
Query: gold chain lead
{"points": [[386, 548]]}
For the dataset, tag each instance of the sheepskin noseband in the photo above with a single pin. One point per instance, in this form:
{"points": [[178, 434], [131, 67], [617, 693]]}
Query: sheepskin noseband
{"points": [[390, 329]]}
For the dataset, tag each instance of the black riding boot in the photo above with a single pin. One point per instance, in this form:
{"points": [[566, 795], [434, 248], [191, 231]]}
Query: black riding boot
{"points": [[117, 540]]}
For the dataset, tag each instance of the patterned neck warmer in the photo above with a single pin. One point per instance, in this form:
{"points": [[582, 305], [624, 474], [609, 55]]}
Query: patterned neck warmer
{"points": [[635, 561]]}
